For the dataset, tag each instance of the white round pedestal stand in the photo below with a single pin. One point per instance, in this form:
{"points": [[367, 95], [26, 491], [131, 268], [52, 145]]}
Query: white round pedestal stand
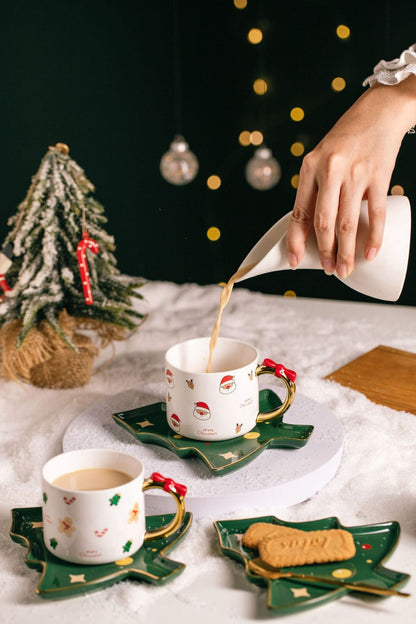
{"points": [[276, 477]]}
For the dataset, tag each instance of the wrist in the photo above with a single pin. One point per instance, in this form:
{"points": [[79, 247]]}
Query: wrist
{"points": [[398, 101]]}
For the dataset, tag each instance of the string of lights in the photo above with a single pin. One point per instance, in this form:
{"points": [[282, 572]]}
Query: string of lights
{"points": [[179, 165]]}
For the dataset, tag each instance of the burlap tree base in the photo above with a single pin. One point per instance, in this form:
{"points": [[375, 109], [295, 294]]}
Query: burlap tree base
{"points": [[66, 368], [44, 359]]}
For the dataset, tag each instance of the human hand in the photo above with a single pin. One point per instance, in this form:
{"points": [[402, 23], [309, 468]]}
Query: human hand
{"points": [[354, 161]]}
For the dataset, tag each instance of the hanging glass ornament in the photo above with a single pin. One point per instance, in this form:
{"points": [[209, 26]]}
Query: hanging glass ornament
{"points": [[263, 171], [179, 165]]}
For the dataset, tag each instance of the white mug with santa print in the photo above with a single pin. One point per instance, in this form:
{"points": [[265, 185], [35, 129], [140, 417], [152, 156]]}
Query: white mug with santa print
{"points": [[223, 403]]}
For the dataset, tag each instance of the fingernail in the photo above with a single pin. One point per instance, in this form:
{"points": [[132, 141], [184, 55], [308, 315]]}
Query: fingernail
{"points": [[293, 261], [328, 266], [342, 270], [371, 253]]}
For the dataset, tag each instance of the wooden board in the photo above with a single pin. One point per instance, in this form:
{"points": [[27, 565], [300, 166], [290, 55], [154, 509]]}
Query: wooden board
{"points": [[385, 375]]}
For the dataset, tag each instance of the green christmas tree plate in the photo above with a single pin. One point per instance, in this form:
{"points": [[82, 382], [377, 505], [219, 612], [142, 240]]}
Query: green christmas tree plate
{"points": [[60, 579], [149, 425], [374, 544]]}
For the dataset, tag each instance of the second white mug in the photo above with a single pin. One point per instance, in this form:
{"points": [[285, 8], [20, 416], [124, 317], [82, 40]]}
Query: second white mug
{"points": [[100, 517], [223, 403]]}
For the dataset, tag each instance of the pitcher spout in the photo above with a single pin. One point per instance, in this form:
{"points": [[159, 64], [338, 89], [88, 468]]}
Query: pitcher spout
{"points": [[270, 254]]}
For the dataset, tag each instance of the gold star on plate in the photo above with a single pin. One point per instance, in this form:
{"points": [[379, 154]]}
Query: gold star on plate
{"points": [[145, 423], [301, 592], [37, 525], [77, 578], [228, 455]]}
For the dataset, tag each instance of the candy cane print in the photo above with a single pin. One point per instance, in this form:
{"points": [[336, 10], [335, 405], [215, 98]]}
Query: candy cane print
{"points": [[83, 245]]}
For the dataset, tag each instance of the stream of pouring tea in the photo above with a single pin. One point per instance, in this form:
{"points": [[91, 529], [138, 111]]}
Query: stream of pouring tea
{"points": [[224, 299]]}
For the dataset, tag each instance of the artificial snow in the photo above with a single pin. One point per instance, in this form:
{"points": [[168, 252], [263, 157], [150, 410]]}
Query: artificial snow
{"points": [[375, 482]]}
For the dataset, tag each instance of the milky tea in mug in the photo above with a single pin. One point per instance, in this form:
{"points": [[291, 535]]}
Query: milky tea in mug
{"points": [[223, 403], [93, 506], [92, 479]]}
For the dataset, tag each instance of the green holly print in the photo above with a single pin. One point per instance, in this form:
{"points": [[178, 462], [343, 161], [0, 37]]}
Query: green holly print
{"points": [[127, 546], [45, 497], [53, 543], [115, 499]]}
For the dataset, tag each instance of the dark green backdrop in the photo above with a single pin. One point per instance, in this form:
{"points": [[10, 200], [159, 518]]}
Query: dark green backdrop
{"points": [[99, 76]]}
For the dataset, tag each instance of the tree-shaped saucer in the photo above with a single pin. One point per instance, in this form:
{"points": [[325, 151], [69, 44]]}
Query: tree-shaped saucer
{"points": [[374, 544], [148, 424], [61, 579]]}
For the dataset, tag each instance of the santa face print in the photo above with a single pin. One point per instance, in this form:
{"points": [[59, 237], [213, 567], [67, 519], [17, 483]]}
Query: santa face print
{"points": [[227, 384], [202, 411], [169, 379], [175, 422]]}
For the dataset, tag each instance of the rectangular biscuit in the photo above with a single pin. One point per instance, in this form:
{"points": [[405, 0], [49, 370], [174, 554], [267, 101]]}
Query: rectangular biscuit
{"points": [[259, 530], [310, 547]]}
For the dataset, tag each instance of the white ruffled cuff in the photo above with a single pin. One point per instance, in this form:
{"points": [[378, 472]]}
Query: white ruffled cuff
{"points": [[392, 72]]}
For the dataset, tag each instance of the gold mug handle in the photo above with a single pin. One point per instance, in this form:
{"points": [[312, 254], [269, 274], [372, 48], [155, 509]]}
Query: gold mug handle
{"points": [[178, 491], [288, 377]]}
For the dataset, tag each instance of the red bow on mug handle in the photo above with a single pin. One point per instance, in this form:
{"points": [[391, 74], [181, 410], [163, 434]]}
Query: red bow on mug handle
{"points": [[169, 484], [280, 370]]}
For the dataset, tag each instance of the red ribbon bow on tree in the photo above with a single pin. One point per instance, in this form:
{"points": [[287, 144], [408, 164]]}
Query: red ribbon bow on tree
{"points": [[169, 484], [280, 370], [6, 255], [3, 284], [83, 245]]}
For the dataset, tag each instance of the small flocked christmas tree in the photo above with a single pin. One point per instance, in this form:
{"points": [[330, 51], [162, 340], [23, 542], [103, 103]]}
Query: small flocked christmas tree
{"points": [[62, 278]]}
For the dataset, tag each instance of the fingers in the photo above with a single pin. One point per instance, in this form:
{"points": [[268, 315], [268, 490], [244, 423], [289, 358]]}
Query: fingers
{"points": [[325, 219], [336, 238], [376, 220], [302, 217], [347, 224], [329, 199], [349, 209]]}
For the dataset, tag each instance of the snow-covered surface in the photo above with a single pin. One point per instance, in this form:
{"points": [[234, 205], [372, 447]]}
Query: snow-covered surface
{"points": [[376, 480]]}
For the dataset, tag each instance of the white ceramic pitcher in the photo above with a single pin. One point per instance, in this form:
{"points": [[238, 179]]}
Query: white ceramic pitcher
{"points": [[381, 278]]}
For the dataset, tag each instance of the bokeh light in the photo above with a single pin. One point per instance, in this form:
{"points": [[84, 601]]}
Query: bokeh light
{"points": [[260, 86], [289, 293], [338, 84], [397, 189], [255, 35], [294, 181], [244, 138], [240, 4], [213, 233], [214, 182], [297, 113], [343, 32], [297, 148], [256, 137]]}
